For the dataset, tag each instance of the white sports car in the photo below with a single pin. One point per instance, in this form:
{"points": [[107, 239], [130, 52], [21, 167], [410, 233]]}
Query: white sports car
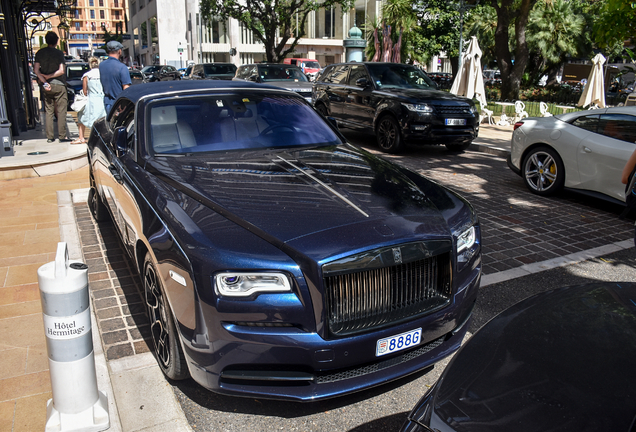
{"points": [[585, 151]]}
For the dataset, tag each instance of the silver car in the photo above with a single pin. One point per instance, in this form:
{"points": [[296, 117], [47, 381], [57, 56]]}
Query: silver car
{"points": [[585, 151]]}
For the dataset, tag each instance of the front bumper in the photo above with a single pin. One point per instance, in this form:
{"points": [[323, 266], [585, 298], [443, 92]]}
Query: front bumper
{"points": [[287, 363]]}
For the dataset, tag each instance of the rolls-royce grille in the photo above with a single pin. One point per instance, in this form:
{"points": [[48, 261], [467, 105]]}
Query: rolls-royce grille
{"points": [[452, 110], [364, 300]]}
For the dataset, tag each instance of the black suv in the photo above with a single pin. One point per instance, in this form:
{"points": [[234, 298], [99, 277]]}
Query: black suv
{"points": [[397, 102], [279, 75], [217, 71], [161, 73]]}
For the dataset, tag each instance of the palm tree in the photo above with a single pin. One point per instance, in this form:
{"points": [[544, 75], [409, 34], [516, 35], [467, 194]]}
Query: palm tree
{"points": [[555, 32], [399, 14]]}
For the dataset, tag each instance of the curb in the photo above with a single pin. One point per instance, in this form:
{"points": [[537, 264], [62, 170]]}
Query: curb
{"points": [[483, 148]]}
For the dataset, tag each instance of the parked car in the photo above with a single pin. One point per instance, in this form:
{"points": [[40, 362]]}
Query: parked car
{"points": [[161, 73], [217, 71], [310, 67], [74, 74], [444, 80], [559, 361], [136, 77], [280, 75], [278, 260], [397, 102], [584, 151]]}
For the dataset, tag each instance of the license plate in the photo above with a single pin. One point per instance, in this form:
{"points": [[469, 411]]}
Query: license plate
{"points": [[455, 122], [397, 343]]}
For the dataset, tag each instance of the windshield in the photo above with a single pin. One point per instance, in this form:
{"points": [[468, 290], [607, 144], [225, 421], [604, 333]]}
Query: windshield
{"points": [[150, 69], [312, 64], [281, 73], [211, 70], [76, 71], [387, 75], [237, 121]]}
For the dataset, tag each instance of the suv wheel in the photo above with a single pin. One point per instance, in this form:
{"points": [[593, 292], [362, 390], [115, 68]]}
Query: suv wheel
{"points": [[388, 135]]}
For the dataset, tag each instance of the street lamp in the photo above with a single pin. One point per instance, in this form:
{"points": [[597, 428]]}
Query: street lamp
{"points": [[462, 7]]}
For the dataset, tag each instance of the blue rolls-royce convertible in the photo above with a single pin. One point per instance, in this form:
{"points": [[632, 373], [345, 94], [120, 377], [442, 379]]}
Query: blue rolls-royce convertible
{"points": [[278, 260]]}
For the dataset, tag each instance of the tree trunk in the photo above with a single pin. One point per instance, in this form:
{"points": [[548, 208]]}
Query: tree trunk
{"points": [[511, 72]]}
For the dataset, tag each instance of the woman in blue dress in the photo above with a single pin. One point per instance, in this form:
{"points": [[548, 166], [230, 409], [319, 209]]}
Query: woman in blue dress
{"points": [[94, 107]]}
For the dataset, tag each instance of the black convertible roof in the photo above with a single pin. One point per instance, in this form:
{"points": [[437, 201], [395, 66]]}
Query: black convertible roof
{"points": [[136, 92]]}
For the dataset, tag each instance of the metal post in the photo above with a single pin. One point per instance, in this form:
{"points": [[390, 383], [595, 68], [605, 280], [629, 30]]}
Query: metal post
{"points": [[77, 404]]}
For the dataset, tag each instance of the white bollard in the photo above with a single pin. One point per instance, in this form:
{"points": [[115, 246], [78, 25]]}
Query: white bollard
{"points": [[77, 404]]}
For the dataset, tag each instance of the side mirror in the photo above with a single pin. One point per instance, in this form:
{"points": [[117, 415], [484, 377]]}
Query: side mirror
{"points": [[120, 139], [362, 82]]}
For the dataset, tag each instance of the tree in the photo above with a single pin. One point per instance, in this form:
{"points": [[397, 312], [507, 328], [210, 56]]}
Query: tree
{"points": [[273, 22], [556, 31], [616, 23], [436, 17], [398, 14], [511, 14]]}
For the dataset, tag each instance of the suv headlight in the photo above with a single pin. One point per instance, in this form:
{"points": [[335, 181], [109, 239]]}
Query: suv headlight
{"points": [[466, 239], [236, 284], [473, 110], [419, 108]]}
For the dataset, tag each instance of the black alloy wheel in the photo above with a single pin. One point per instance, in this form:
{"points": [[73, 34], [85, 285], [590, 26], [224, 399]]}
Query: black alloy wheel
{"points": [[167, 348], [95, 203], [388, 135], [543, 171]]}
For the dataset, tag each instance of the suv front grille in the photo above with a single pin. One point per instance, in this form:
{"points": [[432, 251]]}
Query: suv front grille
{"points": [[447, 110], [364, 300]]}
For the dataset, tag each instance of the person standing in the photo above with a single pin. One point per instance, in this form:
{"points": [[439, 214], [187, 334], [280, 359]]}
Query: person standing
{"points": [[113, 75], [50, 68], [94, 108]]}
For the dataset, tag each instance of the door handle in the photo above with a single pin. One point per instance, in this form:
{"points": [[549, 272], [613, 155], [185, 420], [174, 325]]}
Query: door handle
{"points": [[587, 149], [115, 173]]}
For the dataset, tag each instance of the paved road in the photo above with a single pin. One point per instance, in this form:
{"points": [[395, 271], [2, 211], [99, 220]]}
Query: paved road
{"points": [[518, 228]]}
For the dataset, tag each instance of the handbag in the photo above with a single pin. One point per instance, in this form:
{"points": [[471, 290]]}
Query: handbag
{"points": [[80, 101]]}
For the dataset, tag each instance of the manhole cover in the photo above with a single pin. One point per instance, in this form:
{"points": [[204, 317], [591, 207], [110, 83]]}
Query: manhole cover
{"points": [[37, 153]]}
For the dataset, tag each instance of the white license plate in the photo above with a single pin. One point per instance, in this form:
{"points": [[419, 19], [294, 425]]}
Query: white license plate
{"points": [[399, 342], [455, 122]]}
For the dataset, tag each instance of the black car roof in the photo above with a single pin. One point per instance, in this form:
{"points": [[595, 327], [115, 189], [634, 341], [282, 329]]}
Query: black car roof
{"points": [[134, 93]]}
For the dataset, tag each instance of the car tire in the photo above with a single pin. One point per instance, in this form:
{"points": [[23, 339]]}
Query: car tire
{"points": [[167, 348], [543, 171], [458, 147], [322, 109], [388, 136], [95, 203]]}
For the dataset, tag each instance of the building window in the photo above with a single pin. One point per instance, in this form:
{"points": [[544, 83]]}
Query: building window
{"points": [[101, 3], [101, 14], [91, 2], [116, 3], [92, 14], [133, 8], [116, 14], [77, 14], [330, 22], [77, 26]]}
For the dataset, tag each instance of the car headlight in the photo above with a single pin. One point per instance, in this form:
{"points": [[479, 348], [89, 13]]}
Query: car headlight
{"points": [[473, 110], [234, 284], [419, 108], [466, 239]]}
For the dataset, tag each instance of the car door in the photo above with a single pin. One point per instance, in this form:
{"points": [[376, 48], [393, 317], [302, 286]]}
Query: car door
{"points": [[335, 88], [602, 155], [357, 107], [117, 186]]}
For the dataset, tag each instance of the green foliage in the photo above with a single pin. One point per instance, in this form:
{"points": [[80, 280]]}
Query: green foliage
{"points": [[108, 36], [268, 19], [399, 14], [615, 23], [438, 30], [482, 23]]}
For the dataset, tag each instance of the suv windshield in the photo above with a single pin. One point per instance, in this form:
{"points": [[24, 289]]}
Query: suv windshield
{"points": [[77, 70], [237, 121], [387, 76], [211, 70], [281, 73], [150, 69]]}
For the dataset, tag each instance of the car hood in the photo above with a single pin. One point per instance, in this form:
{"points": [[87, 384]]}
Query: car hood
{"points": [[290, 196], [559, 361], [414, 95]]}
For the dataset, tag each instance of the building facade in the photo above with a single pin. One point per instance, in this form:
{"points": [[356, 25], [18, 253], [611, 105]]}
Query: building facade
{"points": [[88, 22]]}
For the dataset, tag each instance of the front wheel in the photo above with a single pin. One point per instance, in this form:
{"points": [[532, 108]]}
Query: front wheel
{"points": [[167, 348], [95, 203], [388, 135], [543, 171]]}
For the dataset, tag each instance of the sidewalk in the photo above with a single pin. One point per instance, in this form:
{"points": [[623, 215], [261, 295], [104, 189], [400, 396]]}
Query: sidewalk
{"points": [[36, 212]]}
